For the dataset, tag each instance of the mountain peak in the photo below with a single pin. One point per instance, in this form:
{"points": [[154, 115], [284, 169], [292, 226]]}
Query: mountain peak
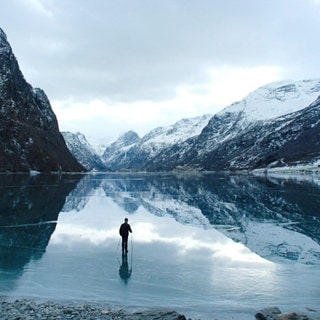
{"points": [[276, 99], [3, 36], [129, 137]]}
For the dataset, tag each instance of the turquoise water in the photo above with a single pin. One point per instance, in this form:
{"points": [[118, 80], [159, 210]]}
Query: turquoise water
{"points": [[204, 246]]}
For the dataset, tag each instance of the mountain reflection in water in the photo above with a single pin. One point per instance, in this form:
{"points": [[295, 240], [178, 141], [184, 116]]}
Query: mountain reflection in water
{"points": [[240, 206], [29, 209], [214, 238]]}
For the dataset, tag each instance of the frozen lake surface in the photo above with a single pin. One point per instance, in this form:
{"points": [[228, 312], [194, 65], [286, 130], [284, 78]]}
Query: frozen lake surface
{"points": [[207, 246]]}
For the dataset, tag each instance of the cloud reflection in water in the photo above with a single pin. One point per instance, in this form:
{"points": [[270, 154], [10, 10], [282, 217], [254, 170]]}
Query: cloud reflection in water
{"points": [[149, 229]]}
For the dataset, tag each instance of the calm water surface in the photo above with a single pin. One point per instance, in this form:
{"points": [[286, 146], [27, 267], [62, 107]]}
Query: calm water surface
{"points": [[211, 245]]}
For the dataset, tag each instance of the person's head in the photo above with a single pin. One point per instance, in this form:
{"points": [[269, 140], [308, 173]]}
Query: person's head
{"points": [[126, 220]]}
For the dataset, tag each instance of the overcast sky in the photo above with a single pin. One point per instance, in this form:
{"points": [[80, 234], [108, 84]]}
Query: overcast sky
{"points": [[108, 66]]}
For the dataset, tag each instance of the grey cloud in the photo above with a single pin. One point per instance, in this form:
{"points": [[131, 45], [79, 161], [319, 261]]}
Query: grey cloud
{"points": [[132, 50]]}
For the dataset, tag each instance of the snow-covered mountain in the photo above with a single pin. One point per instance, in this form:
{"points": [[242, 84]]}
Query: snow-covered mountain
{"points": [[274, 125], [276, 99], [29, 134], [132, 153], [115, 155], [83, 151]]}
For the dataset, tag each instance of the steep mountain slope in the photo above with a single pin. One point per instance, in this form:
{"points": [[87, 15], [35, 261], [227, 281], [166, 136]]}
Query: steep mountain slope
{"points": [[276, 99], [252, 133], [115, 156], [286, 140], [130, 152], [83, 151], [29, 132], [289, 140]]}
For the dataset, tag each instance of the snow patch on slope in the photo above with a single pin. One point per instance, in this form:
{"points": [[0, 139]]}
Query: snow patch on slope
{"points": [[182, 130], [276, 99]]}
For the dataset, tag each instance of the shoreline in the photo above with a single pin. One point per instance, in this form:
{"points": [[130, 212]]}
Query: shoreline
{"points": [[30, 309], [38, 309]]}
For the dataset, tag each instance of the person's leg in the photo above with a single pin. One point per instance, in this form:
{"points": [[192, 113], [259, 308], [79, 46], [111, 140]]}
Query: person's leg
{"points": [[123, 244], [126, 244]]}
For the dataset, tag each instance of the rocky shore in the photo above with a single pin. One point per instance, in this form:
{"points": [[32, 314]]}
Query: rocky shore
{"points": [[274, 313], [30, 310], [27, 309]]}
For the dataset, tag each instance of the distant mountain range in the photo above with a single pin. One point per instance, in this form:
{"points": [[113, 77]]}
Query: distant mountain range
{"points": [[29, 134], [275, 126]]}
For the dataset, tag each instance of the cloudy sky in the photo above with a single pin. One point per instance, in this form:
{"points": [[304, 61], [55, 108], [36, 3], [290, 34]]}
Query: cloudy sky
{"points": [[108, 66]]}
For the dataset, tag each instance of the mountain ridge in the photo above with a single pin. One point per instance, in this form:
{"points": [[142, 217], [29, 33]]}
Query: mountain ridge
{"points": [[29, 131], [139, 151], [230, 131], [250, 134]]}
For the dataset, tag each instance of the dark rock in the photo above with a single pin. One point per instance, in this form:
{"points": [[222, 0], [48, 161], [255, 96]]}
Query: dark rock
{"points": [[291, 316], [274, 313], [29, 132], [268, 313]]}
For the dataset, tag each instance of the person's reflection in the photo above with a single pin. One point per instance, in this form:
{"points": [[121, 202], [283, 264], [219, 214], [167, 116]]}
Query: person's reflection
{"points": [[124, 270]]}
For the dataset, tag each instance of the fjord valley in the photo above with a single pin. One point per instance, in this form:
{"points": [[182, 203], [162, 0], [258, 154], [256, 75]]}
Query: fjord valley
{"points": [[275, 126], [218, 229]]}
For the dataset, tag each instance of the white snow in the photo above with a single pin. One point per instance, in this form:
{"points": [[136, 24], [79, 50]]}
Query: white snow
{"points": [[266, 103], [276, 99], [74, 139], [182, 130], [299, 172]]}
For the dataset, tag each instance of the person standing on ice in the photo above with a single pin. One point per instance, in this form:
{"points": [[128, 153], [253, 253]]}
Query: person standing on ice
{"points": [[124, 233]]}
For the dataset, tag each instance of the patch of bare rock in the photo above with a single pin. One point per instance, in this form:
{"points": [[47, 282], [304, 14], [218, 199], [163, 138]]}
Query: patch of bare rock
{"points": [[274, 313]]}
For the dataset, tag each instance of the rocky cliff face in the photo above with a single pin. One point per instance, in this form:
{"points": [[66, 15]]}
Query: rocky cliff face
{"points": [[30, 137]]}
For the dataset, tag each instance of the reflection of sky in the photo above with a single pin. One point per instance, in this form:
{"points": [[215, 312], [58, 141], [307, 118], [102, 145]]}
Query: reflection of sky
{"points": [[99, 223], [173, 265]]}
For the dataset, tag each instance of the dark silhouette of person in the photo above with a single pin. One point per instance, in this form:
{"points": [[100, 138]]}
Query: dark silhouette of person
{"points": [[124, 270], [124, 233]]}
